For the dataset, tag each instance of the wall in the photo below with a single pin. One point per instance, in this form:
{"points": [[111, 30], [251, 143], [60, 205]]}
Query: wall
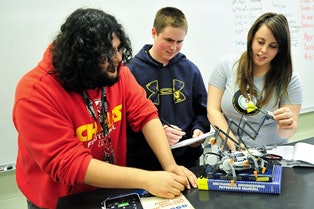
{"points": [[215, 30], [305, 127]]}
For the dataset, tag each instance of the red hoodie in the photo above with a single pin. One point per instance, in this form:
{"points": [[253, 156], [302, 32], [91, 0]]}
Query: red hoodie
{"points": [[57, 137]]}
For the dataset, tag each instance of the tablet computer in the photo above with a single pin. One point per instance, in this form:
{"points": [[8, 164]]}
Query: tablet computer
{"points": [[125, 201]]}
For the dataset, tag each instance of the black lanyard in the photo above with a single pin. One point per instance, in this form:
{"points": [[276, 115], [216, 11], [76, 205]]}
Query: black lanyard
{"points": [[103, 110], [103, 120]]}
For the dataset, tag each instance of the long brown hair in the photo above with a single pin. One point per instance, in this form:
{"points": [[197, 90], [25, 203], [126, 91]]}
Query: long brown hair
{"points": [[279, 75]]}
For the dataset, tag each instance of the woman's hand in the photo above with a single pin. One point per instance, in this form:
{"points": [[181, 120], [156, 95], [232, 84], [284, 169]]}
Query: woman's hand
{"points": [[287, 120], [284, 118]]}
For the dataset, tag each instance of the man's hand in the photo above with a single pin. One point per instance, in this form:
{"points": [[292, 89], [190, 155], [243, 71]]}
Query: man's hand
{"points": [[197, 133], [173, 133], [189, 176], [165, 184]]}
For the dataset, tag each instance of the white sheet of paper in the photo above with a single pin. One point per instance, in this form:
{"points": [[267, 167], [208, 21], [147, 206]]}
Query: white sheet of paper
{"points": [[187, 142], [301, 154]]}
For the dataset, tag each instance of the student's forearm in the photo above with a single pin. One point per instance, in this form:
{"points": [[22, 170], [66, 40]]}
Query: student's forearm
{"points": [[160, 183], [157, 139], [106, 175], [217, 119], [284, 134], [287, 133], [214, 113]]}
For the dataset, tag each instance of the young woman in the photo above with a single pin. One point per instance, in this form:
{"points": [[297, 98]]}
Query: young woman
{"points": [[261, 82]]}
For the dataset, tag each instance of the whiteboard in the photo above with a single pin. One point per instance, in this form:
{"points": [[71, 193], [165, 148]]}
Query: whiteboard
{"points": [[216, 29]]}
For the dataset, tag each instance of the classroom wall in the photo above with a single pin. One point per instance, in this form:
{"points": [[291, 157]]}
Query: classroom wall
{"points": [[215, 30], [305, 127]]}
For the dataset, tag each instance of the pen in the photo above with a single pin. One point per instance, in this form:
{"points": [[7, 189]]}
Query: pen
{"points": [[168, 124]]}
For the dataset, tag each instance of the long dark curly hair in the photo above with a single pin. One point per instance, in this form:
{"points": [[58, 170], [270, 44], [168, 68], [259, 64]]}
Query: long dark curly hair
{"points": [[83, 44]]}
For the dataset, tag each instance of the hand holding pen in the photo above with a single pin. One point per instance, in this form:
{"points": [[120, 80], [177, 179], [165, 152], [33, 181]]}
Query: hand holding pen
{"points": [[173, 132]]}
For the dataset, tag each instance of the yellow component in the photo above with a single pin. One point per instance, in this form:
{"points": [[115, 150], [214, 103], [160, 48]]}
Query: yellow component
{"points": [[231, 161], [212, 140], [202, 183], [250, 107], [263, 178], [255, 174], [245, 162], [263, 169], [232, 183]]}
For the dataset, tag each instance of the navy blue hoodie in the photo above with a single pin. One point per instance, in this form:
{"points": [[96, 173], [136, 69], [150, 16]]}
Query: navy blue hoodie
{"points": [[179, 93]]}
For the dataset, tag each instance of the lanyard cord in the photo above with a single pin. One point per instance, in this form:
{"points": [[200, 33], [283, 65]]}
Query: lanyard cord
{"points": [[103, 112], [109, 155]]}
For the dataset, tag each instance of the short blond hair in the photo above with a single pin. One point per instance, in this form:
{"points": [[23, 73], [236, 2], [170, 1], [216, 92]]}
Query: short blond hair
{"points": [[170, 16]]}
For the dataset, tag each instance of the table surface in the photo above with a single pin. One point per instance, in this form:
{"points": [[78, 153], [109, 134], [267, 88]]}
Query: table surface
{"points": [[296, 192]]}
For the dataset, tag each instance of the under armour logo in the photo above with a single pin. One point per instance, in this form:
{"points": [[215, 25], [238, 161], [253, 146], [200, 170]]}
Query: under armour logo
{"points": [[176, 91]]}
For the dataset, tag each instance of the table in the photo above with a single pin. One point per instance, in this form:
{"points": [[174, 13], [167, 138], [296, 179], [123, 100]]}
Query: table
{"points": [[296, 193]]}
